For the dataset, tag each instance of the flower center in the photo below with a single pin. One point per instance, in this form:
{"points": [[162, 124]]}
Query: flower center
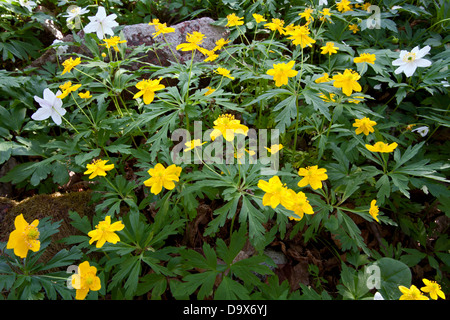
{"points": [[32, 233], [409, 57]]}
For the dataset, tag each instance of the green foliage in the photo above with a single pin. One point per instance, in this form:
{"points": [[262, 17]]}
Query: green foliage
{"points": [[204, 235]]}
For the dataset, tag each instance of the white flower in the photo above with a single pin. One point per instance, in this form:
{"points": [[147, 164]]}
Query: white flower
{"points": [[323, 2], [409, 61], [28, 4], [60, 49], [378, 296], [74, 12], [423, 131], [50, 107], [101, 24]]}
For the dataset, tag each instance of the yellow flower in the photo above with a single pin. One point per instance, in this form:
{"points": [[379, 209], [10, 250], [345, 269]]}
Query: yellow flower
{"points": [[298, 203], [365, 57], [234, 20], [24, 237], [281, 72], [326, 12], [85, 279], [98, 168], [224, 72], [343, 6], [162, 28], [210, 90], [373, 211], [276, 25], [67, 88], [300, 36], [313, 176], [154, 22], [162, 177], [354, 28], [347, 81], [193, 40], [324, 78], [113, 42], [193, 144], [382, 147], [147, 89], [307, 14], [105, 232], [220, 43], [433, 288], [329, 98], [258, 18], [275, 192], [211, 55], [364, 125], [366, 6], [274, 148], [358, 100], [69, 64], [411, 294], [85, 95], [329, 48], [227, 126]]}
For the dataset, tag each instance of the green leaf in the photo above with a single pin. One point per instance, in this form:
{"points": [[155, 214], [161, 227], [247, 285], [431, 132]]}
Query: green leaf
{"points": [[231, 290], [393, 274]]}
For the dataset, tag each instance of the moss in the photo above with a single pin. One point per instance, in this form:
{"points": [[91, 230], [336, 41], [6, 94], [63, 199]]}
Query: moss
{"points": [[55, 205]]}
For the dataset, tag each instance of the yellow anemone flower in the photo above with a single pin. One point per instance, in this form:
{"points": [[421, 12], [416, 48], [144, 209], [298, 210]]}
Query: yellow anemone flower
{"points": [[85, 279], [162, 177], [147, 89], [365, 58], [281, 72], [382, 147], [234, 20], [347, 81], [24, 237], [373, 211], [69, 64], [227, 126], [105, 232], [98, 168], [364, 125], [298, 203], [313, 176], [275, 192]]}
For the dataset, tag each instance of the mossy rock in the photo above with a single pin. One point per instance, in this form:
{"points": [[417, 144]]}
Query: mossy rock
{"points": [[56, 206]]}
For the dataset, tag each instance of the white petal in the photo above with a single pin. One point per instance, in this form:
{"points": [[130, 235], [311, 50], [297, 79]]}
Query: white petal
{"points": [[398, 62], [56, 118], [91, 27], [423, 52], [101, 13], [43, 103], [378, 296], [41, 114], [409, 69], [399, 69], [48, 95], [415, 50], [423, 63]]}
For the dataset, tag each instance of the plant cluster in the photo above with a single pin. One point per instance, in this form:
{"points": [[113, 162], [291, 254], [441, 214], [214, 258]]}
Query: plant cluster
{"points": [[352, 96]]}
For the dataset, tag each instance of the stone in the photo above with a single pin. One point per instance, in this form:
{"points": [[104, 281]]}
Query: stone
{"points": [[165, 46], [139, 34]]}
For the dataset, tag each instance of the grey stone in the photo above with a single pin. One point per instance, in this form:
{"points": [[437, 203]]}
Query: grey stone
{"points": [[139, 34]]}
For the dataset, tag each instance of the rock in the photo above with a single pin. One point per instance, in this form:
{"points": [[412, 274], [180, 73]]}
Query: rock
{"points": [[165, 46], [139, 34], [38, 207]]}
